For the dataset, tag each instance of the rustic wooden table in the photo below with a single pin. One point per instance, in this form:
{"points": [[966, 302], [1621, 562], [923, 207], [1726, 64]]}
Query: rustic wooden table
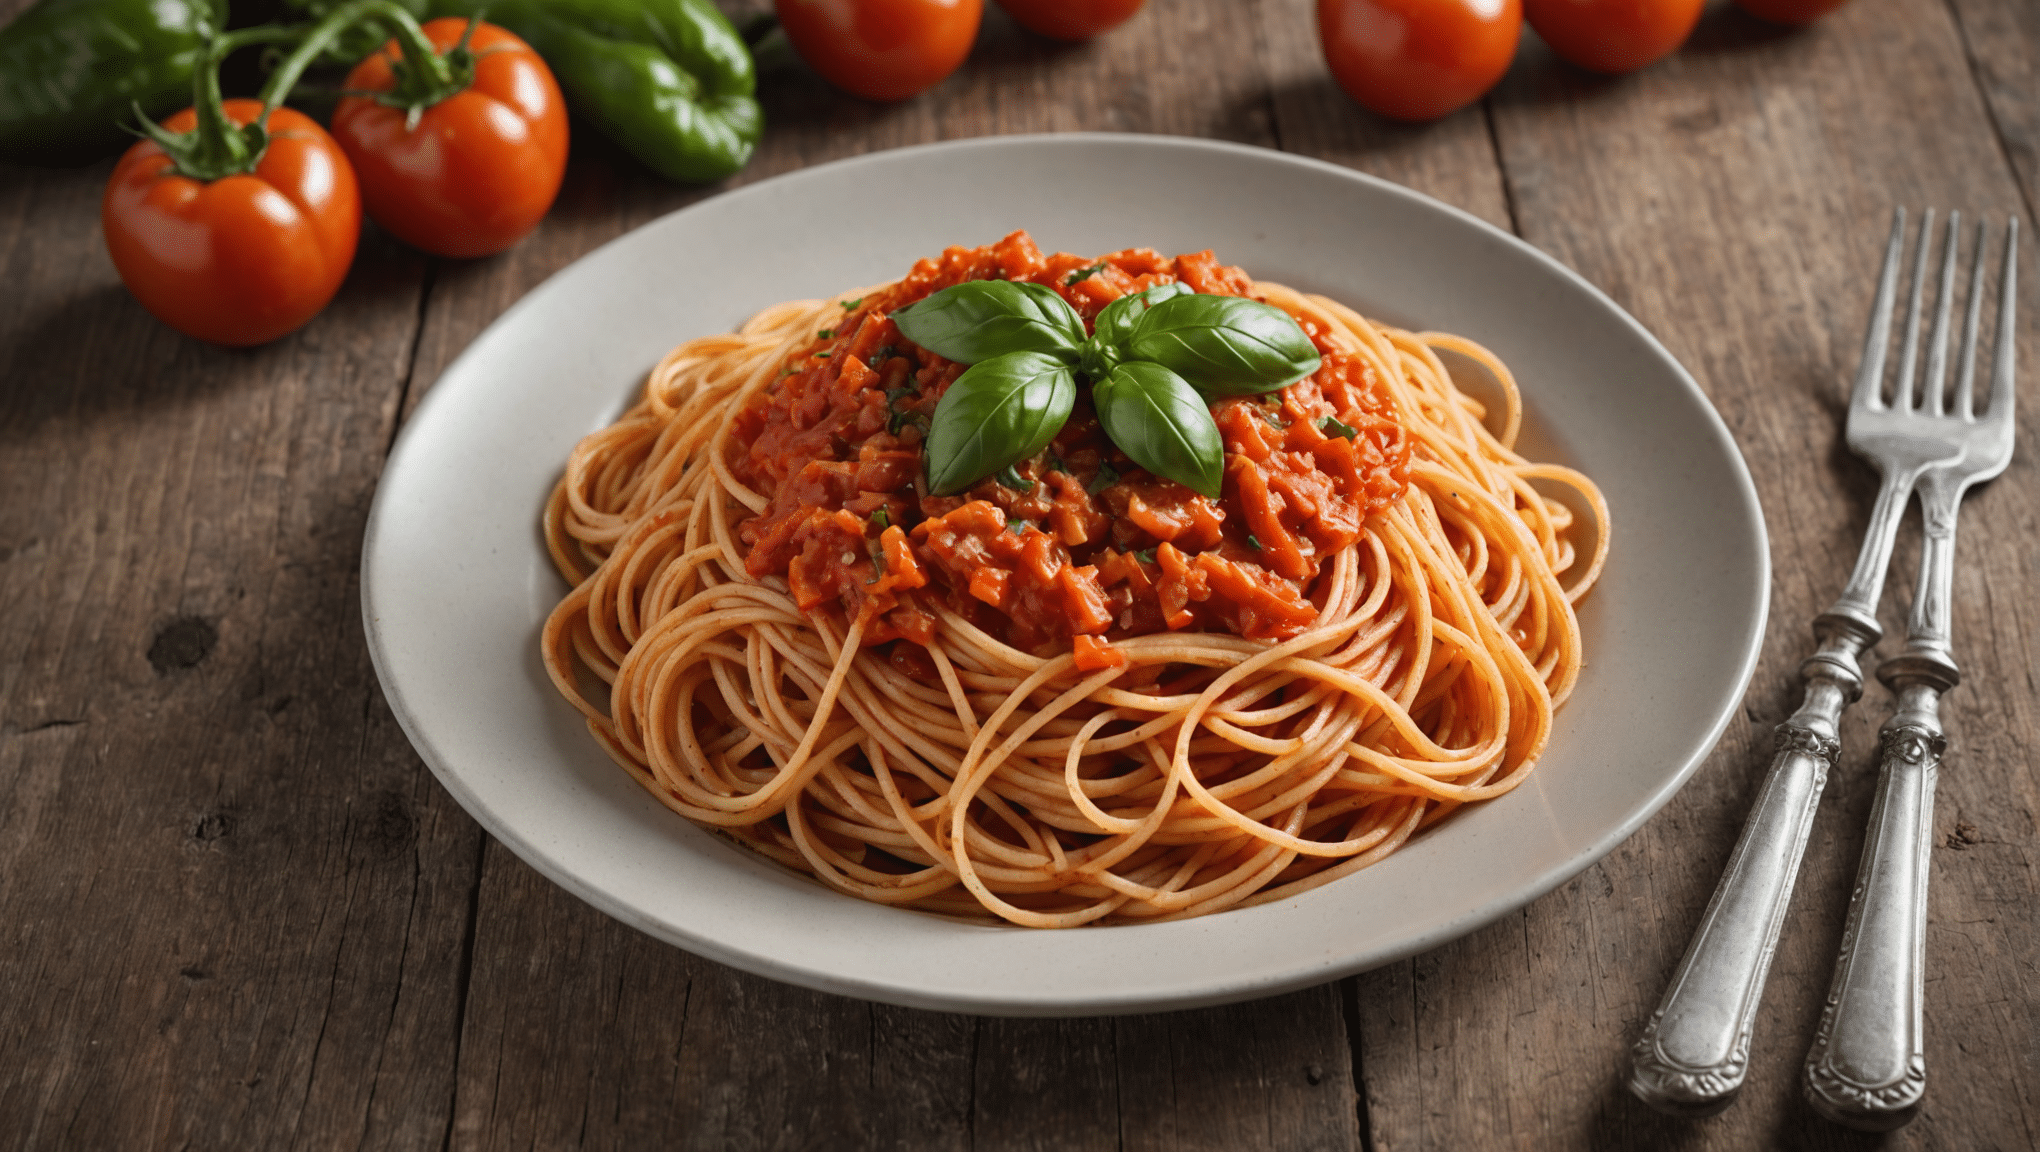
{"points": [[239, 912]]}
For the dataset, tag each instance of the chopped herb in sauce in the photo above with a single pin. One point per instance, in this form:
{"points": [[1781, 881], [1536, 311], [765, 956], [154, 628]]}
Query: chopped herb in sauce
{"points": [[1107, 476], [1079, 277], [1331, 426], [847, 305], [896, 417], [1253, 542], [1011, 478]]}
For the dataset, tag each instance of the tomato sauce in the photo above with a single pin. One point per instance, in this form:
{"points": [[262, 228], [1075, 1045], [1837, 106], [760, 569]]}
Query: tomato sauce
{"points": [[1092, 548]]}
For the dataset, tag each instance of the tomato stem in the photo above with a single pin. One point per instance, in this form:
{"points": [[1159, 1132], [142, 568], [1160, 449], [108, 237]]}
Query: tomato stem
{"points": [[216, 147], [424, 77]]}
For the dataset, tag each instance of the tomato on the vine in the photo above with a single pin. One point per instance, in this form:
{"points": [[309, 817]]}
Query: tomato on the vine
{"points": [[882, 49], [247, 257], [1071, 19], [1789, 11], [1418, 59], [477, 169], [1613, 36]]}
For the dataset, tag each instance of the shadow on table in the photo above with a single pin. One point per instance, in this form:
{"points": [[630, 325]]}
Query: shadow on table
{"points": [[86, 354], [1539, 77], [93, 355], [1624, 1122]]}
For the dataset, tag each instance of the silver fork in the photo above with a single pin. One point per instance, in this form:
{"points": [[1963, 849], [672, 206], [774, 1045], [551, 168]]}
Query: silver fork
{"points": [[1694, 1052], [1867, 1068]]}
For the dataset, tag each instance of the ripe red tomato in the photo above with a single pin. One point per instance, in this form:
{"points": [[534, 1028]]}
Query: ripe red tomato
{"points": [[1790, 11], [1613, 35], [244, 259], [1418, 59], [479, 169], [882, 49], [1071, 19]]}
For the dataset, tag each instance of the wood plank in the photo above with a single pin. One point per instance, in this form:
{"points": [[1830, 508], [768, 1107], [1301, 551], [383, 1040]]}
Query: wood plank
{"points": [[1733, 198], [234, 903], [2002, 39], [604, 1038]]}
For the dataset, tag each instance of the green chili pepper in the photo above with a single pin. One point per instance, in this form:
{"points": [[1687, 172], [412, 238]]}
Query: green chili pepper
{"points": [[72, 70], [670, 80]]}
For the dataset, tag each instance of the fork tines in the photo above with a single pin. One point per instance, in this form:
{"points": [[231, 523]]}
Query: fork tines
{"points": [[1933, 386]]}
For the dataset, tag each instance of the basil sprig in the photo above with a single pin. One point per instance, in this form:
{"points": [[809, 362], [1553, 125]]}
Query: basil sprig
{"points": [[1156, 358]]}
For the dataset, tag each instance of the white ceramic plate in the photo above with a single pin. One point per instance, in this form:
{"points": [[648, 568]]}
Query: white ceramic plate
{"points": [[455, 582]]}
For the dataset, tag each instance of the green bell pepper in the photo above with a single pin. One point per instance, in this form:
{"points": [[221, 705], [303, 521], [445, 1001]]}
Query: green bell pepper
{"points": [[670, 80], [71, 71]]}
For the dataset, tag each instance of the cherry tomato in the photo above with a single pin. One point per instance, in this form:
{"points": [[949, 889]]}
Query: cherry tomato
{"points": [[1071, 19], [1418, 59], [1790, 11], [244, 259], [882, 49], [479, 169], [1613, 35]]}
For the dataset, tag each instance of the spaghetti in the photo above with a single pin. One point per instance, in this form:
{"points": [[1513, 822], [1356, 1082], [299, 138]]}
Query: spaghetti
{"points": [[931, 702]]}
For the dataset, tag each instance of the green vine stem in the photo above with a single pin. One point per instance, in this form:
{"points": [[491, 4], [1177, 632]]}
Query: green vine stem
{"points": [[216, 147]]}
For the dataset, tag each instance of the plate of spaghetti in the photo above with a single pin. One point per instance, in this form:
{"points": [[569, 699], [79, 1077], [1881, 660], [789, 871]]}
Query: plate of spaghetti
{"points": [[1029, 602]]}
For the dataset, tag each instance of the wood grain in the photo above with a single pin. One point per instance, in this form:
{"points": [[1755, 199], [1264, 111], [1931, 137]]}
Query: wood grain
{"points": [[233, 903], [238, 912]]}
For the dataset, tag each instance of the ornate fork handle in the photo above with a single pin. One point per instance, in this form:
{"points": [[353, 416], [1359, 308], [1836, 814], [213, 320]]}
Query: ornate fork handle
{"points": [[1693, 1054], [1867, 1067]]}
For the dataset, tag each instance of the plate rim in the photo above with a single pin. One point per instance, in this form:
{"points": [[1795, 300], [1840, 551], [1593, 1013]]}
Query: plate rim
{"points": [[1747, 502]]}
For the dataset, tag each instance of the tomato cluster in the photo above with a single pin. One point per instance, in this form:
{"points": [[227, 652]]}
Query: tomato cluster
{"points": [[236, 221], [1422, 59], [892, 49]]}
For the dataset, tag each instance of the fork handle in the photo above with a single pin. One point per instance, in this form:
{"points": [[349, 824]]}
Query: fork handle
{"points": [[1694, 1053], [1867, 1068]]}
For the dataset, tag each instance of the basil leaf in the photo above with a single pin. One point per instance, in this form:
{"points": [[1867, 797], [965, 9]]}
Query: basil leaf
{"points": [[1115, 323], [1159, 420], [999, 412], [976, 320], [1224, 345]]}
